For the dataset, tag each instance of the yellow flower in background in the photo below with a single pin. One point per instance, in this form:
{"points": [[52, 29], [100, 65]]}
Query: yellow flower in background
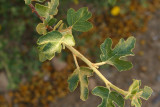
{"points": [[115, 10], [76, 2]]}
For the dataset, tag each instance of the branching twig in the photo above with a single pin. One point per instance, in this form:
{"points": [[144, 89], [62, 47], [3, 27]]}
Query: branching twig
{"points": [[34, 11], [79, 55], [41, 18]]}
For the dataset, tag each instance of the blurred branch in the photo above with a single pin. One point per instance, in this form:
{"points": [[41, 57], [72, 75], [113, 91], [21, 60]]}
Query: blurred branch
{"points": [[34, 11], [9, 76]]}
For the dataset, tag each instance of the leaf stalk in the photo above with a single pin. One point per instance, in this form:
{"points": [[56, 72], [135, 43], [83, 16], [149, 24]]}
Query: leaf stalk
{"points": [[100, 63], [75, 60]]}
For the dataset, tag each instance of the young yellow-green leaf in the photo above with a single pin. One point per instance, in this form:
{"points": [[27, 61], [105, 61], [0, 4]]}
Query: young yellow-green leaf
{"points": [[135, 86], [28, 2], [121, 50], [78, 20], [135, 93], [136, 102], [45, 11], [80, 75], [42, 10], [53, 7], [51, 43], [44, 56], [147, 91], [133, 89], [69, 40], [41, 28], [108, 98]]}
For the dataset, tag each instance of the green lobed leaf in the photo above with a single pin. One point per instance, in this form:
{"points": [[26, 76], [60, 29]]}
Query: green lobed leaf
{"points": [[78, 20], [80, 75], [41, 29], [52, 21], [49, 20], [108, 98], [147, 91], [42, 10], [51, 43], [117, 98], [28, 2], [121, 50], [50, 9], [53, 7]]}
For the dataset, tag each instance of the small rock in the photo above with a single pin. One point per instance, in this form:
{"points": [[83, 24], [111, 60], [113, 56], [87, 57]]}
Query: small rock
{"points": [[58, 64], [92, 83], [46, 77]]}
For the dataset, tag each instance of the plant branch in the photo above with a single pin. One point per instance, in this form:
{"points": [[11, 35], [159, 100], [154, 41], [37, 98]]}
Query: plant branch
{"points": [[91, 65], [79, 55], [34, 11], [100, 63], [41, 18]]}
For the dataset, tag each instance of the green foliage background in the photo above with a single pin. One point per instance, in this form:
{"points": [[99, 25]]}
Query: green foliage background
{"points": [[18, 52], [17, 36]]}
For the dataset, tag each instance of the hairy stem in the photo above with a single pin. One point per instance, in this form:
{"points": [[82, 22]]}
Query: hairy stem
{"points": [[75, 60], [91, 65]]}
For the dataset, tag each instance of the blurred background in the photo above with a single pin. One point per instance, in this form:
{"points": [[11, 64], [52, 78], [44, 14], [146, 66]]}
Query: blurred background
{"points": [[26, 82]]}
